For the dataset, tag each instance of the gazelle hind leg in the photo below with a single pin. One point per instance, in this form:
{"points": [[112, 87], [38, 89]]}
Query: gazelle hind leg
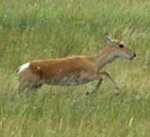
{"points": [[22, 88], [27, 87]]}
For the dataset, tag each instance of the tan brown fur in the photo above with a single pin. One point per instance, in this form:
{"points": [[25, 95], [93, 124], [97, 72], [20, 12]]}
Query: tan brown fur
{"points": [[73, 70]]}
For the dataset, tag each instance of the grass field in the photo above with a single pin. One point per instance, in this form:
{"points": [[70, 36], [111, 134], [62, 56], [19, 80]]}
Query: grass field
{"points": [[40, 29]]}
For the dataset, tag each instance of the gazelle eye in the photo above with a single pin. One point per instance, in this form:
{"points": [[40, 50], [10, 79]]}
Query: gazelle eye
{"points": [[121, 46]]}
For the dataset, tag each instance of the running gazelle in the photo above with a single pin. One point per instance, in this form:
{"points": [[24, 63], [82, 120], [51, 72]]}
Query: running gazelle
{"points": [[74, 70]]}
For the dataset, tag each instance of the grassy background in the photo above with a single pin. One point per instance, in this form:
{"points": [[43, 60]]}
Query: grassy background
{"points": [[39, 29]]}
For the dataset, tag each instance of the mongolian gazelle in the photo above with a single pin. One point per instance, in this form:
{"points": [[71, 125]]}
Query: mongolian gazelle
{"points": [[73, 70]]}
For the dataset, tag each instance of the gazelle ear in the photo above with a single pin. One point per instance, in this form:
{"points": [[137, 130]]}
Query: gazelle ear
{"points": [[109, 37]]}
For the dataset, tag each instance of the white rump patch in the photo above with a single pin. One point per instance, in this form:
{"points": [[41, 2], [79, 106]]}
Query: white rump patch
{"points": [[23, 67]]}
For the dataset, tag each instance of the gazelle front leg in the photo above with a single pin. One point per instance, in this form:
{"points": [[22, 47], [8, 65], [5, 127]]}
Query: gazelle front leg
{"points": [[96, 87], [116, 86], [99, 77]]}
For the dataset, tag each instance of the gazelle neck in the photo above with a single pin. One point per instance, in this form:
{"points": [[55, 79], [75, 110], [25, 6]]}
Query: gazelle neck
{"points": [[104, 57]]}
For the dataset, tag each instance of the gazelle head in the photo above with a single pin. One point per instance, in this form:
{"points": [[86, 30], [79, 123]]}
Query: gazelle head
{"points": [[119, 48]]}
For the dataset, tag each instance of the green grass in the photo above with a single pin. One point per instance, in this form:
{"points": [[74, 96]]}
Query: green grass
{"points": [[36, 29]]}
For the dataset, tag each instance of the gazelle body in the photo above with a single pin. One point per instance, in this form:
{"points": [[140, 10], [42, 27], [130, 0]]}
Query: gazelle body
{"points": [[73, 70]]}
